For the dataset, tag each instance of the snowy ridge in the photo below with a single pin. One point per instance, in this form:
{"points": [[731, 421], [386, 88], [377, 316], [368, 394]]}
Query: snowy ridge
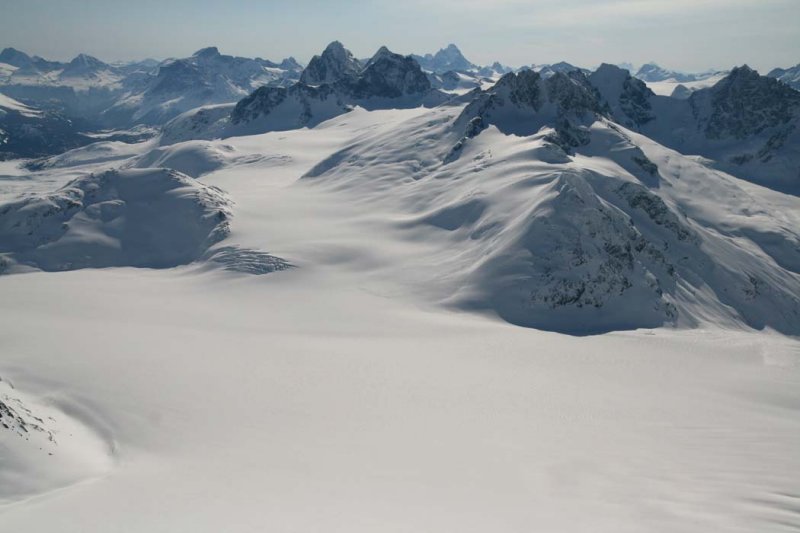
{"points": [[596, 237], [790, 76], [146, 218]]}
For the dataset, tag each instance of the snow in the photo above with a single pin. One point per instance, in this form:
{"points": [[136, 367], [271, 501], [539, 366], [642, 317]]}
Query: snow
{"points": [[8, 103], [341, 395], [667, 87]]}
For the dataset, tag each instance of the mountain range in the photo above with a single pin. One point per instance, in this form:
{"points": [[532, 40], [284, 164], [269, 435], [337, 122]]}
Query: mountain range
{"points": [[572, 199]]}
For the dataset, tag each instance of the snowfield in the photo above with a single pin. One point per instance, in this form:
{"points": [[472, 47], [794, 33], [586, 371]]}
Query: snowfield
{"points": [[370, 376]]}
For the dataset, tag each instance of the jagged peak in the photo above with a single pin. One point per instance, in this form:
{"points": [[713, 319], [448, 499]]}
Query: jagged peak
{"points": [[335, 46], [382, 51], [85, 59]]}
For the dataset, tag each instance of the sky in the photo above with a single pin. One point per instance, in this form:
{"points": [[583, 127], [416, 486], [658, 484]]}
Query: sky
{"points": [[689, 35]]}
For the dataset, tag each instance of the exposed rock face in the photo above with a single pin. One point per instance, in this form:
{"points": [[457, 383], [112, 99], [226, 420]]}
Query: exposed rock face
{"points": [[295, 107], [744, 104], [746, 124], [386, 79], [522, 103], [387, 75], [335, 63], [627, 98]]}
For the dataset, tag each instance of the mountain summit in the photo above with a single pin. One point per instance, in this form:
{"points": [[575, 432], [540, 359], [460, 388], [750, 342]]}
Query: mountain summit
{"points": [[336, 62], [449, 58]]}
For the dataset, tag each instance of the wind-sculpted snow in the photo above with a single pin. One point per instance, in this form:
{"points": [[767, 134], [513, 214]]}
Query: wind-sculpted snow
{"points": [[144, 218], [193, 158], [44, 448], [608, 234]]}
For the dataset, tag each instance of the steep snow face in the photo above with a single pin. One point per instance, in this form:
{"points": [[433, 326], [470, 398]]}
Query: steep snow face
{"points": [[145, 218], [448, 58], [335, 63], [790, 76], [618, 232]]}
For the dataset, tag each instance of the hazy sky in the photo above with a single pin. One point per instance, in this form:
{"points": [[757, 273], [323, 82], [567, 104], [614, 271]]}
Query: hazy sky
{"points": [[681, 34]]}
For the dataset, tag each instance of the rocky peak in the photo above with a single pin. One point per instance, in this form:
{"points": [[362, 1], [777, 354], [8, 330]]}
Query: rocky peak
{"points": [[290, 63], [744, 103], [627, 98], [448, 58], [13, 57], [87, 62], [84, 65], [335, 63], [572, 93], [389, 75], [207, 53], [521, 88]]}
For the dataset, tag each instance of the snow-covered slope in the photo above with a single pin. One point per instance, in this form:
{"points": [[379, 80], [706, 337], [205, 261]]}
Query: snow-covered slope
{"points": [[559, 219], [667, 82], [207, 77], [342, 396], [790, 76], [745, 124], [146, 218]]}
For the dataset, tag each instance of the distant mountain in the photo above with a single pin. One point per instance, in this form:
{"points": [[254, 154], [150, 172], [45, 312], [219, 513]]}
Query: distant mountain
{"points": [[335, 63], [29, 132], [387, 80], [746, 124], [653, 72], [141, 92], [790, 76], [84, 65], [563, 67], [449, 58]]}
